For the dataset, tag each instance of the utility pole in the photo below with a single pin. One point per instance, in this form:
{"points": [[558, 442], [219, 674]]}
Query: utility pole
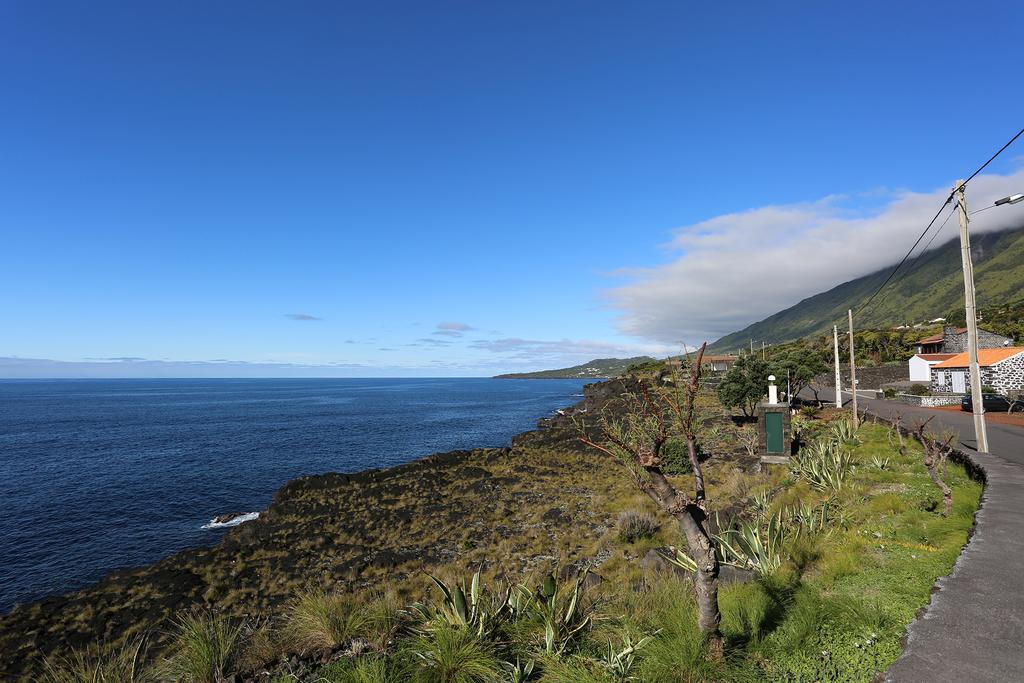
{"points": [[978, 404], [853, 373], [839, 381], [751, 347], [764, 355]]}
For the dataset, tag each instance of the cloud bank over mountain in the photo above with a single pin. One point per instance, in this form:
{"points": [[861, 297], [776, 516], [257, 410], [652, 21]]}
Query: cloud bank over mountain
{"points": [[738, 268]]}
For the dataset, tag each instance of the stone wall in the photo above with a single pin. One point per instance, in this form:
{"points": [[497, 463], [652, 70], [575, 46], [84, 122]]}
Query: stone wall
{"points": [[1006, 376], [957, 343], [929, 401], [869, 377]]}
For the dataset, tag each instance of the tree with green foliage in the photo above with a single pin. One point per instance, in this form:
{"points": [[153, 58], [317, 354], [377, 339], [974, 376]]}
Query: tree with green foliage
{"points": [[800, 366], [745, 384]]}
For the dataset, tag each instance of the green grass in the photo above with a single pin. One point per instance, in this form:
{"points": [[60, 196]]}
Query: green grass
{"points": [[96, 664], [206, 648], [319, 621]]}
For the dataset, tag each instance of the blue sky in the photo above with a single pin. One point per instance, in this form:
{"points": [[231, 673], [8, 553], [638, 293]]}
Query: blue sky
{"points": [[464, 188]]}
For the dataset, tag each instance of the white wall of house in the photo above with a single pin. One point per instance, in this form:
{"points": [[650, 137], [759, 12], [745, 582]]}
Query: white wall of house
{"points": [[920, 369]]}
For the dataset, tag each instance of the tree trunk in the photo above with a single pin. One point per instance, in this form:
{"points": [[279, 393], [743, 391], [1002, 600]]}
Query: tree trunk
{"points": [[933, 472], [705, 585]]}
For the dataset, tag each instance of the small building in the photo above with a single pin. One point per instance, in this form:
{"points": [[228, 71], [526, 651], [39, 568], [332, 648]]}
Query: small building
{"points": [[921, 365], [720, 363], [954, 340], [1001, 369]]}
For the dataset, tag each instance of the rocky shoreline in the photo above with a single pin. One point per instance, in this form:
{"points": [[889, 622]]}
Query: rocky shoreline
{"points": [[347, 530]]}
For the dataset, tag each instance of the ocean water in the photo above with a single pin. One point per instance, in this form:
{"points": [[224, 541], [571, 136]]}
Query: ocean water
{"points": [[102, 474]]}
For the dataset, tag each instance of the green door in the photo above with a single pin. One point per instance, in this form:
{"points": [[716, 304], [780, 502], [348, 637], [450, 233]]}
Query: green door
{"points": [[773, 432]]}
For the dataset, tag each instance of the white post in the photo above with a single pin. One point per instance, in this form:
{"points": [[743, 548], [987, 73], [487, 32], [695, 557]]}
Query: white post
{"points": [[978, 404], [839, 381], [773, 391]]}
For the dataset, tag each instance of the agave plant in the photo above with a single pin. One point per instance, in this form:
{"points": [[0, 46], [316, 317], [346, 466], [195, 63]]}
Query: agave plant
{"points": [[679, 558], [461, 608], [824, 464], [810, 520], [761, 501], [619, 663], [879, 462], [561, 612], [751, 547], [520, 672], [843, 432]]}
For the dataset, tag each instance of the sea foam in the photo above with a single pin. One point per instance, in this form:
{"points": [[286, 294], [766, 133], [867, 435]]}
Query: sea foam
{"points": [[234, 521]]}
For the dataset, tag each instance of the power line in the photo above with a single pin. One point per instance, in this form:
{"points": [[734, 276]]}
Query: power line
{"points": [[991, 159], [907, 255], [931, 239], [934, 218]]}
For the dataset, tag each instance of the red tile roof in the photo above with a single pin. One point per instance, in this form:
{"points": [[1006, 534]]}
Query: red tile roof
{"points": [[986, 357], [936, 356]]}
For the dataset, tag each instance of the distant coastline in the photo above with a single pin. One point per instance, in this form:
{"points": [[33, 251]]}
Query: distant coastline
{"points": [[597, 369]]}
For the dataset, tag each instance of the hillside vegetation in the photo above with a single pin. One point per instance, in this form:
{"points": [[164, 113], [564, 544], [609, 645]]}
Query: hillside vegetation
{"points": [[931, 287]]}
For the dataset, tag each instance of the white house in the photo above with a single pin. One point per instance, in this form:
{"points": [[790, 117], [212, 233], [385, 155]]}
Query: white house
{"points": [[921, 365]]}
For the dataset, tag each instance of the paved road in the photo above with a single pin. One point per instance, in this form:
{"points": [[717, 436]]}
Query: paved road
{"points": [[973, 629]]}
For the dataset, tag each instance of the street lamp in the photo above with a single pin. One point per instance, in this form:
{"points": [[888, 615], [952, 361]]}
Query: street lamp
{"points": [[1012, 199]]}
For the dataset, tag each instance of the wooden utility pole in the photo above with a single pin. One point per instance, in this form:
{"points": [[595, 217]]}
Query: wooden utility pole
{"points": [[839, 381], [978, 404], [853, 373]]}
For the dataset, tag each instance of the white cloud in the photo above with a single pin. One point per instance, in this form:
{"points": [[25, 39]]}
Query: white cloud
{"points": [[738, 268], [452, 329]]}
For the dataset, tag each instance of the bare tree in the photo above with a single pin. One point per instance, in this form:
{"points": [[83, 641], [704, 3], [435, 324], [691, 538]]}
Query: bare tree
{"points": [[656, 414], [936, 450], [897, 427]]}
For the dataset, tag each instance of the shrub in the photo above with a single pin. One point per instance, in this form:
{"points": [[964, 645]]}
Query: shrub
{"points": [[634, 526], [674, 457], [918, 390], [96, 665], [205, 648], [383, 619], [319, 621], [454, 655]]}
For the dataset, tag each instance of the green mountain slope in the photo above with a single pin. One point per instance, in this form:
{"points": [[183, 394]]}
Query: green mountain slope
{"points": [[931, 288], [598, 368]]}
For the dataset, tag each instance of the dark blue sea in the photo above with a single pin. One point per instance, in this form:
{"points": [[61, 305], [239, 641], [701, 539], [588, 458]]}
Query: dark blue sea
{"points": [[101, 474]]}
